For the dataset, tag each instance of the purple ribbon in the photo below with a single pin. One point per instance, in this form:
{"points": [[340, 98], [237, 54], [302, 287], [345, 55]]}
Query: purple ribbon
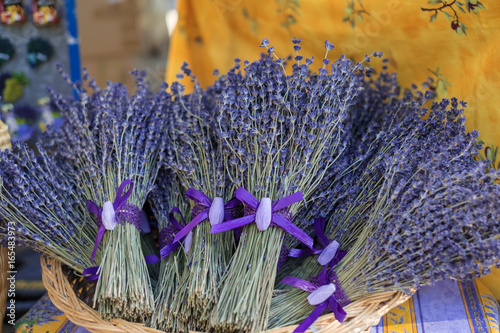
{"points": [[319, 228], [90, 274], [151, 259], [120, 200], [204, 201], [309, 287], [172, 246], [276, 218]]}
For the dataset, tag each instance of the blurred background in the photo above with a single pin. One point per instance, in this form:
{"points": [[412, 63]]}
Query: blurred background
{"points": [[117, 36]]}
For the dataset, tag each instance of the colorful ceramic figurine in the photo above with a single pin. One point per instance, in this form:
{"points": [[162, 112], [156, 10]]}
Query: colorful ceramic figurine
{"points": [[45, 12], [12, 12]]}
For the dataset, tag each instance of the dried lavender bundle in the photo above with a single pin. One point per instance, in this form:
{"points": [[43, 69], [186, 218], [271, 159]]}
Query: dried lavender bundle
{"points": [[112, 144], [281, 132], [351, 201], [196, 160], [42, 205], [375, 108], [164, 199], [351, 185], [434, 217]]}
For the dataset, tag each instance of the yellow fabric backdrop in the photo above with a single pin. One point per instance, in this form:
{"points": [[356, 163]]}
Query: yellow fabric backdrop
{"points": [[210, 34]]}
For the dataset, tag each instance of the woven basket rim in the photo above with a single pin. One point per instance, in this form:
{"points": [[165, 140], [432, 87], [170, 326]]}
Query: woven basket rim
{"points": [[361, 314], [3, 281]]}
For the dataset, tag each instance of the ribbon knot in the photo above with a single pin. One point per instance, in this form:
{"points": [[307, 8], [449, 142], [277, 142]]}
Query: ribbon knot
{"points": [[322, 295], [329, 253], [218, 213], [167, 235], [266, 216], [108, 216], [116, 212]]}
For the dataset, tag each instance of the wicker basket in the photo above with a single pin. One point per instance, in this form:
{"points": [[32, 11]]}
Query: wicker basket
{"points": [[360, 315], [4, 136], [4, 144], [3, 282]]}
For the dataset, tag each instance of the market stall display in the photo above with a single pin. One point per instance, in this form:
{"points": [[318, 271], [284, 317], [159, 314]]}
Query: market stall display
{"points": [[29, 53], [321, 195]]}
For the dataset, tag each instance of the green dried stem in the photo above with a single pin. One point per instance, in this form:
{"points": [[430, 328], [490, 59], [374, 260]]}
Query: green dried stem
{"points": [[248, 287], [124, 288], [149, 247], [198, 291], [170, 273]]}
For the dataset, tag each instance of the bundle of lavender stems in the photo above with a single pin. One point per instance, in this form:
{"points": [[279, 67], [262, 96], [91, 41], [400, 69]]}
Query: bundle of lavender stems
{"points": [[112, 145], [282, 192], [283, 132], [169, 206], [196, 159], [432, 218], [42, 208]]}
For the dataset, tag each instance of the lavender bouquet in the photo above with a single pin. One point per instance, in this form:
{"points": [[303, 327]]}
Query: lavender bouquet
{"points": [[280, 134], [196, 160], [433, 219], [345, 206], [167, 203], [112, 145], [341, 203], [41, 208]]}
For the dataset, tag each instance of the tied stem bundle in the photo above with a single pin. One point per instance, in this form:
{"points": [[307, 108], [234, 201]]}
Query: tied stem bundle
{"points": [[351, 185], [432, 219], [41, 208], [106, 139], [167, 202], [196, 160], [280, 134]]}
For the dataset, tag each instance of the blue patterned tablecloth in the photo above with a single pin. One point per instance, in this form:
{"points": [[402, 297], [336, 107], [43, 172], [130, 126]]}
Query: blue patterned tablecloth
{"points": [[447, 307]]}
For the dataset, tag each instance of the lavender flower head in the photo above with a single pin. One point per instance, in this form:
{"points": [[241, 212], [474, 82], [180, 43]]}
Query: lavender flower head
{"points": [[193, 152], [280, 131], [44, 206], [434, 217], [111, 134]]}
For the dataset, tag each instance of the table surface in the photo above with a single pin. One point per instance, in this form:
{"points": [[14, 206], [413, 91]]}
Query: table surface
{"points": [[448, 307]]}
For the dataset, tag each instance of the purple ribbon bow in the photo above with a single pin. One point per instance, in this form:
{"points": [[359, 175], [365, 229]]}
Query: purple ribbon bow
{"points": [[331, 302], [172, 246], [319, 228], [276, 218], [204, 201], [120, 200]]}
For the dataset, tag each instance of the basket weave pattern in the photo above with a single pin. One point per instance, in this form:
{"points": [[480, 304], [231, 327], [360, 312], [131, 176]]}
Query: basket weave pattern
{"points": [[3, 282], [360, 315]]}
